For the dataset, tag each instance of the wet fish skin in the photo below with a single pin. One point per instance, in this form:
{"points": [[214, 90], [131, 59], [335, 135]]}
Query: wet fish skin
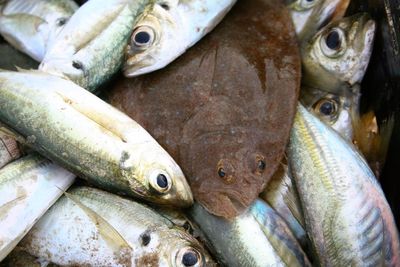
{"points": [[30, 25], [339, 54], [89, 50], [78, 130], [228, 132], [92, 227], [258, 237], [340, 111], [9, 149], [172, 27], [347, 216], [281, 194], [19, 258], [28, 187], [309, 16]]}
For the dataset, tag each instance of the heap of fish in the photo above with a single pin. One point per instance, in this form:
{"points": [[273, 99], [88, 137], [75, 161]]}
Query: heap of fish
{"points": [[219, 115]]}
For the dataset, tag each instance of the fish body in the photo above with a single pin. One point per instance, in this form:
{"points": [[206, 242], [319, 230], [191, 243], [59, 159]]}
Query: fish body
{"points": [[19, 258], [337, 110], [91, 227], [282, 196], [9, 149], [338, 55], [80, 131], [258, 237], [31, 25], [168, 30], [347, 217], [227, 131], [89, 50], [309, 16], [28, 187]]}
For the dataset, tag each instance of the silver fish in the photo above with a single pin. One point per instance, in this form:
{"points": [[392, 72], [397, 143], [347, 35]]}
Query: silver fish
{"points": [[28, 188], [347, 216], [80, 131], [309, 15], [337, 110], [30, 25], [90, 47], [91, 227], [258, 237], [168, 30], [281, 194], [339, 54]]}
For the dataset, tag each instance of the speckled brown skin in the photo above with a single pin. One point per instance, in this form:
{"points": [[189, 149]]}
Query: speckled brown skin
{"points": [[227, 103]]}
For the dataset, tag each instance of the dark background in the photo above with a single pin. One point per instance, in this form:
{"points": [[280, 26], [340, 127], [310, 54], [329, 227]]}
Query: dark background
{"points": [[381, 85]]}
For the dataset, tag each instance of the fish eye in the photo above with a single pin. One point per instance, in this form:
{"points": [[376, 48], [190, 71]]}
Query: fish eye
{"points": [[142, 37], [221, 172], [333, 42], [260, 164], [326, 107], [189, 257], [160, 181], [77, 65], [61, 22]]}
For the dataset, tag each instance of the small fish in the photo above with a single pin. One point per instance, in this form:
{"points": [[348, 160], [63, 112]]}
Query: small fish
{"points": [[9, 149], [339, 54], [309, 15], [30, 25], [337, 110], [80, 131], [89, 227], [281, 194], [258, 237], [90, 47], [347, 217], [168, 30], [373, 140], [28, 188]]}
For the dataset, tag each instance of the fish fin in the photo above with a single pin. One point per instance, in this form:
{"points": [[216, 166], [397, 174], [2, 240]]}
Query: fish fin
{"points": [[106, 230], [12, 134], [22, 32]]}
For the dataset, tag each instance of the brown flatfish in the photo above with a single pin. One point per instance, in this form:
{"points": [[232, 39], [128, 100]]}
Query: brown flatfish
{"points": [[224, 109]]}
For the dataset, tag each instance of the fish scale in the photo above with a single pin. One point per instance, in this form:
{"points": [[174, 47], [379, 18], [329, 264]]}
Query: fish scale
{"points": [[89, 50], [108, 148], [338, 189]]}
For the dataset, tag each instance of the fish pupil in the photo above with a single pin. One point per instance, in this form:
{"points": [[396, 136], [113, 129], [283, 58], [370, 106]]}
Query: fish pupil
{"points": [[146, 239], [142, 38], [261, 165], [221, 173], [77, 65], [162, 181], [333, 40], [61, 21], [189, 258], [326, 108]]}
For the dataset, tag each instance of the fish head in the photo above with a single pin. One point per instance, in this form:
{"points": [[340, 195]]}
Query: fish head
{"points": [[156, 39], [336, 110], [339, 53], [228, 170], [179, 249], [168, 30], [162, 180]]}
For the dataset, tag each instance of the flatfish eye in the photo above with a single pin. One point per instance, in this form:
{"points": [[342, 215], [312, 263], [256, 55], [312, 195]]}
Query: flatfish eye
{"points": [[221, 172], [261, 165], [189, 257], [333, 42], [142, 37], [61, 21], [160, 181]]}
